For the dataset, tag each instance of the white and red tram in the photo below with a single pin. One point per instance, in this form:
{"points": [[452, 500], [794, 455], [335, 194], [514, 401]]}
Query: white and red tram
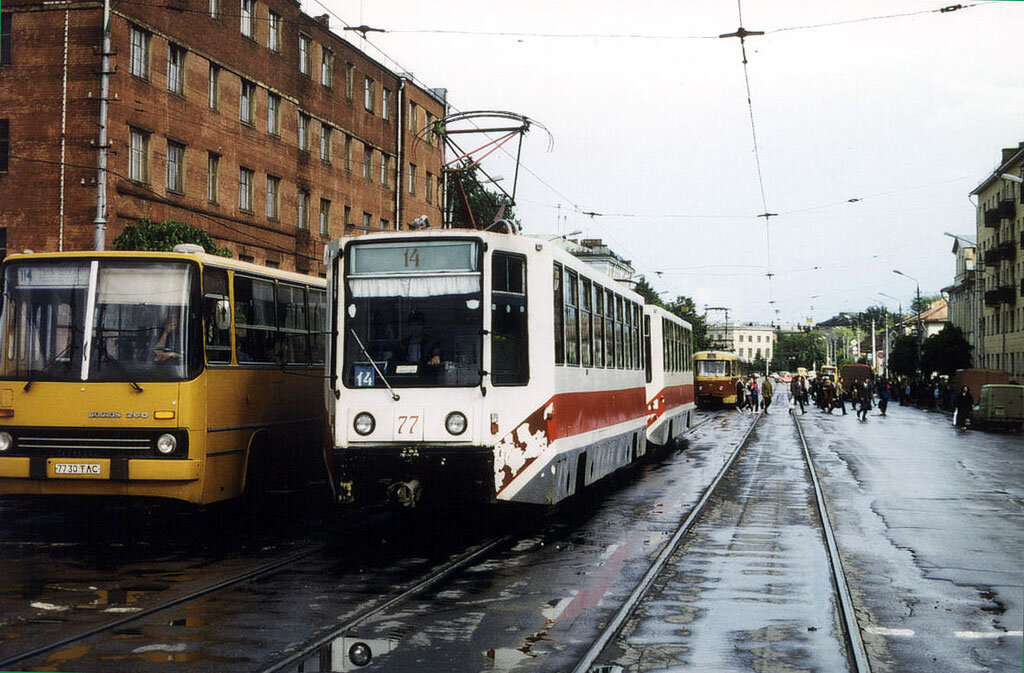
{"points": [[495, 366], [670, 396]]}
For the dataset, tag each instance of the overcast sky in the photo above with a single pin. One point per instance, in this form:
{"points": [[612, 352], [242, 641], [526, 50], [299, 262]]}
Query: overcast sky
{"points": [[905, 114]]}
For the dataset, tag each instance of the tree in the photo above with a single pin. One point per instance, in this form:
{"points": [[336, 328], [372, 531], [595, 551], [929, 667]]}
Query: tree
{"points": [[926, 302], [903, 358], [805, 349], [147, 235], [845, 336], [684, 307], [879, 314], [946, 351], [483, 203]]}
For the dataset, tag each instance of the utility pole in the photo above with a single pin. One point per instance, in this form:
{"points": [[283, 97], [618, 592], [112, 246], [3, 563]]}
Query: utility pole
{"points": [[99, 234]]}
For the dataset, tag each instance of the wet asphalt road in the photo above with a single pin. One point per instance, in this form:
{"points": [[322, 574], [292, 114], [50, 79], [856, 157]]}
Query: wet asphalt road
{"points": [[928, 520]]}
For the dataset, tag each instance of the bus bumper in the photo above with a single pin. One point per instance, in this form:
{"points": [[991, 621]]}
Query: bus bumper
{"points": [[111, 469]]}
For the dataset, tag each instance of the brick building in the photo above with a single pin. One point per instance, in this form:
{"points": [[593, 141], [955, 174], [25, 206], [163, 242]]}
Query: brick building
{"points": [[247, 118]]}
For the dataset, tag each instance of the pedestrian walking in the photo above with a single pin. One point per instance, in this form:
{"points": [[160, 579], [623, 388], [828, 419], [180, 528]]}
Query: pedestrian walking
{"points": [[884, 395], [752, 393], [963, 404], [741, 394], [864, 397], [767, 392]]}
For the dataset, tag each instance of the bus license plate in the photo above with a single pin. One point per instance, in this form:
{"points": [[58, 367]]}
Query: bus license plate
{"points": [[77, 468]]}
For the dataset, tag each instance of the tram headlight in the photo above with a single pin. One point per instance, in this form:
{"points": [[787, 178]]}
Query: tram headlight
{"points": [[455, 423], [360, 654], [166, 444], [6, 441], [364, 423]]}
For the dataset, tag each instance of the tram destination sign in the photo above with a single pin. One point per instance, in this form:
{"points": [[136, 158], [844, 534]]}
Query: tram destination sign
{"points": [[413, 257]]}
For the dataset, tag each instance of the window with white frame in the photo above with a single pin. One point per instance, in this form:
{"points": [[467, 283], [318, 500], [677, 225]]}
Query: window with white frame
{"points": [[367, 220], [325, 217], [368, 87], [348, 152], [412, 179], [245, 179], [212, 176], [274, 31], [139, 56], [274, 114], [248, 17], [303, 131], [385, 104], [305, 54], [214, 89], [175, 167], [385, 168], [367, 161], [273, 197], [325, 142], [246, 101], [303, 209], [214, 9], [428, 190], [350, 78], [175, 69], [138, 155], [326, 67]]}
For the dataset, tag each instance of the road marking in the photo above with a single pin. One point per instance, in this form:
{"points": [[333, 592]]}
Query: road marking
{"points": [[989, 634], [883, 631]]}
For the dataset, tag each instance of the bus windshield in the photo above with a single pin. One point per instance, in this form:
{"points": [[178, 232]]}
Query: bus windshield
{"points": [[138, 328], [414, 315], [711, 367]]}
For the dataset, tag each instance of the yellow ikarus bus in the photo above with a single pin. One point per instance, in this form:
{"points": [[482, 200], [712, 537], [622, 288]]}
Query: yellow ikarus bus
{"points": [[174, 375]]}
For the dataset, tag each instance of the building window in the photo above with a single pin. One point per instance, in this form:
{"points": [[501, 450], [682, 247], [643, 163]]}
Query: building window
{"points": [[212, 175], [245, 179], [385, 165], [327, 68], [273, 196], [214, 92], [412, 179], [428, 191], [176, 69], [5, 38], [385, 104], [348, 216], [350, 78], [428, 129], [325, 217], [214, 9], [139, 57], [303, 132], [274, 32], [303, 209], [383, 223], [305, 49], [274, 114], [248, 17], [368, 95], [348, 152], [175, 167], [367, 221], [246, 100], [138, 156], [367, 161], [325, 143], [412, 116]]}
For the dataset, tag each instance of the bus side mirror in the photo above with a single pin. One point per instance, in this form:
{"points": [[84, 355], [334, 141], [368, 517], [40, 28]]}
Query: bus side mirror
{"points": [[222, 315]]}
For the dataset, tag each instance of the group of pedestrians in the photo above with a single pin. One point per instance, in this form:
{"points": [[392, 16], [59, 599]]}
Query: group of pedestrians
{"points": [[753, 393]]}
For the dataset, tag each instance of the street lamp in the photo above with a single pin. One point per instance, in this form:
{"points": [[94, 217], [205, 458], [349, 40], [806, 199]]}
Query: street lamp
{"points": [[920, 330]]}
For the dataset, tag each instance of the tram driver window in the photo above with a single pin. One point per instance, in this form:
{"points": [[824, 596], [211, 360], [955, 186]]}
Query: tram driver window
{"points": [[509, 326]]}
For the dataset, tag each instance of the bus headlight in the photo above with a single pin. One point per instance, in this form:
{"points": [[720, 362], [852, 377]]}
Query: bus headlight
{"points": [[364, 423], [455, 423], [6, 441], [166, 444]]}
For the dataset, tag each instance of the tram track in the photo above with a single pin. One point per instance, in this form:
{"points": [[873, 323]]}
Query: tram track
{"points": [[856, 654]]}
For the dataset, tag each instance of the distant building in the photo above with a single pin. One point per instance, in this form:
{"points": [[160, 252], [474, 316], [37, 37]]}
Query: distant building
{"points": [[963, 296], [748, 341], [253, 121], [999, 232], [598, 255]]}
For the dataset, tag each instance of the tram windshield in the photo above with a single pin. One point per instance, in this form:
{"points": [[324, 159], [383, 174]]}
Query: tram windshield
{"points": [[138, 329], [414, 315], [712, 368]]}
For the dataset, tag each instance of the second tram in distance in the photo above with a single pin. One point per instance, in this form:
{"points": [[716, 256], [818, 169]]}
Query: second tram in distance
{"points": [[486, 365], [715, 378]]}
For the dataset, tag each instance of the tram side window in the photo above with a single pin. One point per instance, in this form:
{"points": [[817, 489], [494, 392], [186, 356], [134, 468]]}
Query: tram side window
{"points": [[291, 318], [620, 355], [627, 335], [586, 293], [255, 320], [559, 308], [598, 337], [317, 325], [637, 364], [509, 325], [609, 329], [216, 333], [648, 370], [572, 318]]}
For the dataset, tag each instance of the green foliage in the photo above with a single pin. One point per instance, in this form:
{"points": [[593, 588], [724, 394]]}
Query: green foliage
{"points": [[924, 304], [879, 314], [484, 204], [147, 235], [945, 352], [804, 349], [903, 358], [681, 306], [845, 336]]}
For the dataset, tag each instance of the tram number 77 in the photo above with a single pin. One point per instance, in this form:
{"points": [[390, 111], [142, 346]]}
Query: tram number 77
{"points": [[408, 426]]}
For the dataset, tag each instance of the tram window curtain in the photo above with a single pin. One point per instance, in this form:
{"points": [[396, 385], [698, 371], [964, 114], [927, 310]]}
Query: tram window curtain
{"points": [[427, 286]]}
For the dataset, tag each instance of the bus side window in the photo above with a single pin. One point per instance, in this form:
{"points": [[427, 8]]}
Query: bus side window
{"points": [[317, 325], [216, 337], [291, 317], [255, 320]]}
